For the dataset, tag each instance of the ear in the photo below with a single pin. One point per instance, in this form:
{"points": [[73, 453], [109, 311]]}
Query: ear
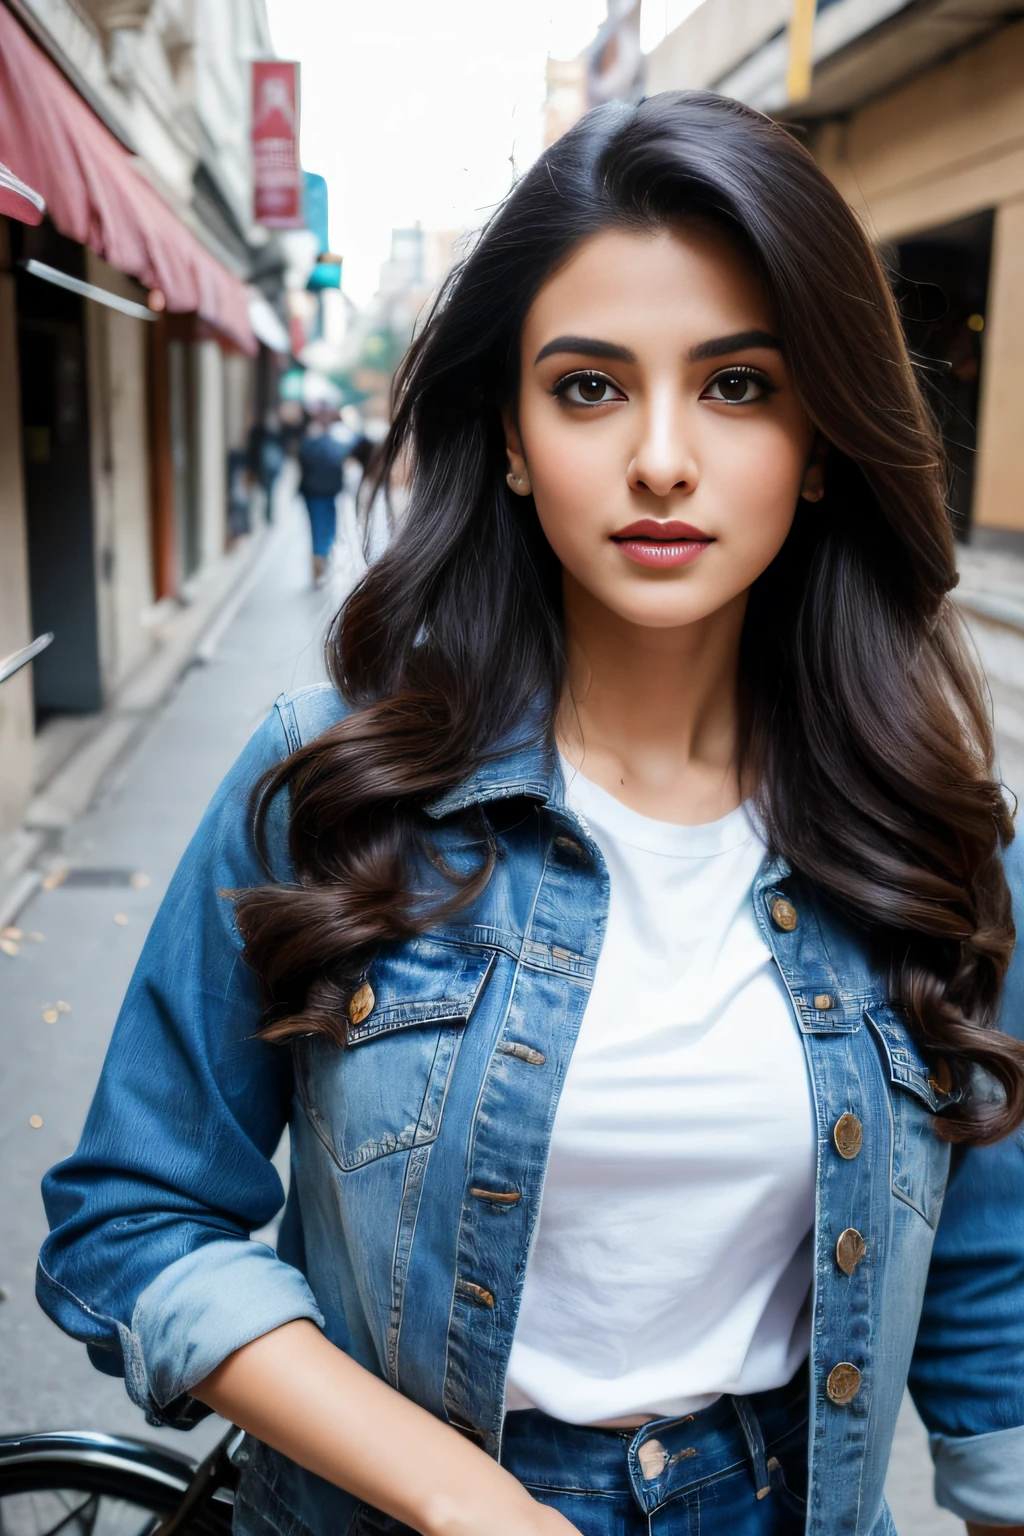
{"points": [[813, 487], [518, 475]]}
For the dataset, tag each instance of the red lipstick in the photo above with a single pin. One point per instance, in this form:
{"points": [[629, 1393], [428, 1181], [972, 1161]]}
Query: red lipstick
{"points": [[650, 542]]}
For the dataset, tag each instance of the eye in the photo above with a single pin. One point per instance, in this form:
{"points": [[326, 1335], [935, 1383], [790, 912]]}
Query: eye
{"points": [[587, 389], [739, 386]]}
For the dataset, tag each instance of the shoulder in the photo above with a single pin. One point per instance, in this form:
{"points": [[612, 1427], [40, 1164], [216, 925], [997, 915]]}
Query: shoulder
{"points": [[308, 712]]}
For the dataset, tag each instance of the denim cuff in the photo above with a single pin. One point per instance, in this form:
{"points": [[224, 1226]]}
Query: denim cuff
{"points": [[202, 1308], [981, 1477]]}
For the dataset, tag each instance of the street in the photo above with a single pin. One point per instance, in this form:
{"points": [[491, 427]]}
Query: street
{"points": [[62, 988]]}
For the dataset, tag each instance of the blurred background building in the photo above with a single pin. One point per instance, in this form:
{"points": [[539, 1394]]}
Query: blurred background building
{"points": [[608, 68], [138, 343]]}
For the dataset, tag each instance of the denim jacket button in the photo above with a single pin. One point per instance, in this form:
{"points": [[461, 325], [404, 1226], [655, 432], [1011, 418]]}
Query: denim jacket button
{"points": [[843, 1382], [848, 1135], [362, 1003], [850, 1249], [823, 1001], [784, 914]]}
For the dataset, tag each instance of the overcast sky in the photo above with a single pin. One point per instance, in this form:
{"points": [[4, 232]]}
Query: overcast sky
{"points": [[415, 109]]}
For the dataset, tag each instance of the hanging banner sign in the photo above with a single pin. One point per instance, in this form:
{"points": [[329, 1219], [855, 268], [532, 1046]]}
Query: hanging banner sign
{"points": [[277, 174]]}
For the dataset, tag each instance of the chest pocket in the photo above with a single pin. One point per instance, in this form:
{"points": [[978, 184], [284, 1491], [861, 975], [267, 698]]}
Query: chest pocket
{"points": [[919, 1090], [384, 1092]]}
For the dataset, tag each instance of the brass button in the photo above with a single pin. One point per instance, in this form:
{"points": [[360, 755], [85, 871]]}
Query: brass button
{"points": [[784, 914], [941, 1078], [850, 1249], [843, 1382], [362, 1003], [848, 1135], [822, 1001]]}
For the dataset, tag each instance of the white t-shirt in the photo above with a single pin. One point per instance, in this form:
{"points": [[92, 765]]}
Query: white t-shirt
{"points": [[672, 1259]]}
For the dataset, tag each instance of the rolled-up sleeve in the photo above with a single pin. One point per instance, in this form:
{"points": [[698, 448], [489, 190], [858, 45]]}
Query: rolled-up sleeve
{"points": [[967, 1375], [150, 1260]]}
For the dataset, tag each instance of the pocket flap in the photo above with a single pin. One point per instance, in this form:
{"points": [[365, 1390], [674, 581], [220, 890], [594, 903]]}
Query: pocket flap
{"points": [[909, 1068], [423, 982]]}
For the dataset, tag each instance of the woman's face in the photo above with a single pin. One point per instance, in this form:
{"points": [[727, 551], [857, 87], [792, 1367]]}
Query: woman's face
{"points": [[657, 426]]}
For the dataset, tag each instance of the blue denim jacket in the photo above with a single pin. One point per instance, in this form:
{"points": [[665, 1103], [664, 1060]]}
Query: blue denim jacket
{"points": [[418, 1157]]}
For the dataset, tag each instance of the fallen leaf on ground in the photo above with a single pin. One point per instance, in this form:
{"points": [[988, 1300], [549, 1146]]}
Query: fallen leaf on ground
{"points": [[35, 1121], [139, 881], [119, 917], [11, 933], [8, 946], [50, 1015], [63, 1007], [35, 938], [54, 878]]}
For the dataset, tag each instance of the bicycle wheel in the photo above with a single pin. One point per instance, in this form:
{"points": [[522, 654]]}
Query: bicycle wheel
{"points": [[80, 1484]]}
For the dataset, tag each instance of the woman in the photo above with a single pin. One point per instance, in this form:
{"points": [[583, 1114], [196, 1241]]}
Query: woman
{"points": [[646, 852]]}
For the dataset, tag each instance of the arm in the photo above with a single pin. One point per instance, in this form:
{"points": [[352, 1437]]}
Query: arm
{"points": [[295, 1391], [149, 1260], [967, 1373]]}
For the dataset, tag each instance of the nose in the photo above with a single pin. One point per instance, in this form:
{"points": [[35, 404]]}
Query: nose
{"points": [[664, 459]]}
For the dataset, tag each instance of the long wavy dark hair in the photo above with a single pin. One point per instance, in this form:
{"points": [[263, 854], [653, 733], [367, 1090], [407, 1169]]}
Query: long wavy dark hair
{"points": [[864, 720]]}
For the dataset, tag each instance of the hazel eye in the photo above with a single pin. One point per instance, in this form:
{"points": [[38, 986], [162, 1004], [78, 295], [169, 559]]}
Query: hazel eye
{"points": [[588, 389], [737, 387]]}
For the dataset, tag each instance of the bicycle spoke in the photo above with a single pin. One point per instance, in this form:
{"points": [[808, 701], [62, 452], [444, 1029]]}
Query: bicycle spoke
{"points": [[91, 1502]]}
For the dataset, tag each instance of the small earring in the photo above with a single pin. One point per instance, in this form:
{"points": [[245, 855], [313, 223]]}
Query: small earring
{"points": [[813, 492], [516, 482]]}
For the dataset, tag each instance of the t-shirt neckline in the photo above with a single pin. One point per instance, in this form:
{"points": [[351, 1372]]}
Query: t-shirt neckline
{"points": [[668, 838]]}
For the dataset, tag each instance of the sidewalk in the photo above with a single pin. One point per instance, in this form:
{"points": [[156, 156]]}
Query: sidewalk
{"points": [[74, 754], [992, 585]]}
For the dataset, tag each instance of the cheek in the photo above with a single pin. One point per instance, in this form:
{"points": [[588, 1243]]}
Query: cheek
{"points": [[575, 477], [754, 481]]}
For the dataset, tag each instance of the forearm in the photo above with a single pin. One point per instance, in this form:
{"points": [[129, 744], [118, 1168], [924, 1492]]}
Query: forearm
{"points": [[296, 1392]]}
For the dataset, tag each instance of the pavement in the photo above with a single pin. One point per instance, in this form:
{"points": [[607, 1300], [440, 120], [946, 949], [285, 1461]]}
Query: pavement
{"points": [[62, 989]]}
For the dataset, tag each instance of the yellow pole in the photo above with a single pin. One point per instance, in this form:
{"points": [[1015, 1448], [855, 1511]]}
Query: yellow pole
{"points": [[801, 38]]}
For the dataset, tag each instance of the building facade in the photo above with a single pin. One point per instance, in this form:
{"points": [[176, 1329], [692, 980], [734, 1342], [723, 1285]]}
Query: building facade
{"points": [[916, 112], [129, 366]]}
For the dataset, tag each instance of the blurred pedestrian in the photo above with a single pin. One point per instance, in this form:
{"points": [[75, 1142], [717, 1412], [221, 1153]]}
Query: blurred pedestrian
{"points": [[264, 452], [322, 454], [238, 495]]}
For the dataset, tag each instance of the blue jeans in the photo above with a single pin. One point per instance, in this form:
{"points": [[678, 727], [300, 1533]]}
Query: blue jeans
{"points": [[673, 1477], [323, 520]]}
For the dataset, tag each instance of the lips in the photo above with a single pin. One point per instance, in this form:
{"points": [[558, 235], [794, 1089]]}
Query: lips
{"points": [[653, 543]]}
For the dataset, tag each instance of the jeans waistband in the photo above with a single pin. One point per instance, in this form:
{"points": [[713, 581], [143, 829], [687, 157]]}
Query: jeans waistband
{"points": [[662, 1458]]}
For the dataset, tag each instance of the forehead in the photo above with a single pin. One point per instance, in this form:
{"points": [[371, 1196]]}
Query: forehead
{"points": [[690, 279]]}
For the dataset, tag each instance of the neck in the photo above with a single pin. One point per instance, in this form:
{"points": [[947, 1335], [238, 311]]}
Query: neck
{"points": [[651, 714]]}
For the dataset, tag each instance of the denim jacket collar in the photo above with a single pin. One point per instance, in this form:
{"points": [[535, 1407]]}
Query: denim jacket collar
{"points": [[524, 763]]}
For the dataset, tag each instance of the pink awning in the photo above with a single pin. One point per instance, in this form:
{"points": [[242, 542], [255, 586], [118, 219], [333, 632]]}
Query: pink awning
{"points": [[52, 140]]}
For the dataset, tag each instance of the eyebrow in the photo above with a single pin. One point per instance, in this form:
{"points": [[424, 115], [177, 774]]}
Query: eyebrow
{"points": [[587, 347], [741, 341], [718, 346]]}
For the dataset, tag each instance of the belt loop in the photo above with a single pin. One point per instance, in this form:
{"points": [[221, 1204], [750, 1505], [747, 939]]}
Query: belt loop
{"points": [[751, 1427]]}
